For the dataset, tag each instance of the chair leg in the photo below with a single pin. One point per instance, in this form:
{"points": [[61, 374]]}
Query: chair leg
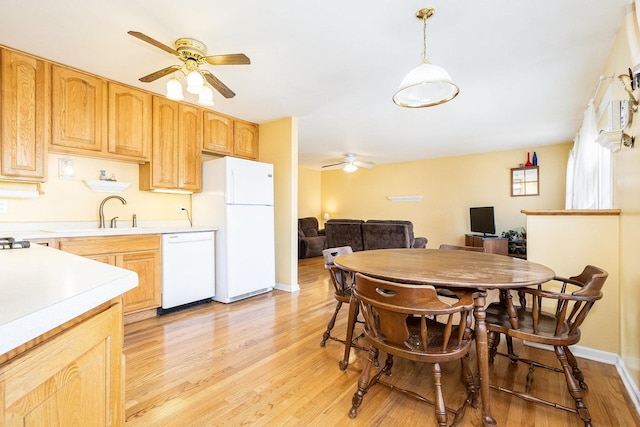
{"points": [[573, 386], [493, 339], [363, 383], [577, 373], [469, 380], [512, 355], [440, 409], [330, 325]]}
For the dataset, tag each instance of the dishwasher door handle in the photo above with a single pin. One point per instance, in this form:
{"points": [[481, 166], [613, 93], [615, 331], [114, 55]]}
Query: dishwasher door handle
{"points": [[189, 237]]}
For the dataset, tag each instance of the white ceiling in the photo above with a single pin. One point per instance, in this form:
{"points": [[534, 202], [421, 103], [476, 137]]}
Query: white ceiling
{"points": [[526, 69]]}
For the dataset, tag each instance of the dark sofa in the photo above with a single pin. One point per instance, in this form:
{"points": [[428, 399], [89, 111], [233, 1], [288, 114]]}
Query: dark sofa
{"points": [[344, 232], [372, 234], [311, 239]]}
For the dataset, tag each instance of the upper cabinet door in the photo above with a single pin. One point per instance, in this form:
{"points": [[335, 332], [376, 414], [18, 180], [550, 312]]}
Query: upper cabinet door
{"points": [[217, 134], [245, 139], [78, 108], [129, 122], [24, 131], [164, 156], [190, 148]]}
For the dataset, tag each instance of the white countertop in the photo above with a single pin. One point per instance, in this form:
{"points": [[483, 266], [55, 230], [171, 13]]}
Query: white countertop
{"points": [[42, 288], [54, 230]]}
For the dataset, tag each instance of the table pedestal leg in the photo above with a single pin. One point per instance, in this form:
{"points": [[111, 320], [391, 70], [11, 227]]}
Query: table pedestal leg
{"points": [[482, 350], [353, 314]]}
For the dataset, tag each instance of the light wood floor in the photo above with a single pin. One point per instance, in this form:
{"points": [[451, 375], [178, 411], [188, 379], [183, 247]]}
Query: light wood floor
{"points": [[258, 362]]}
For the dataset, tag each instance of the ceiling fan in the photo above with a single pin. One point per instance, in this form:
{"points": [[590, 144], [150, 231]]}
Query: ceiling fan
{"points": [[193, 54], [351, 164]]}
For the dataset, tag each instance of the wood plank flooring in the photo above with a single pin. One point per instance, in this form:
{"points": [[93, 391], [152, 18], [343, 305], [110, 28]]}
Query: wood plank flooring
{"points": [[258, 362]]}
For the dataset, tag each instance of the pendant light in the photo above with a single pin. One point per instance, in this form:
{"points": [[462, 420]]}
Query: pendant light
{"points": [[206, 96], [427, 84], [174, 89]]}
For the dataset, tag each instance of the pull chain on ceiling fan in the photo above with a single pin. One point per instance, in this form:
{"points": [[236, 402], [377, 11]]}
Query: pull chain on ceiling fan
{"points": [[193, 54]]}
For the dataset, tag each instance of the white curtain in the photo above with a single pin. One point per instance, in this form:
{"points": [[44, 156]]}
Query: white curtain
{"points": [[589, 177]]}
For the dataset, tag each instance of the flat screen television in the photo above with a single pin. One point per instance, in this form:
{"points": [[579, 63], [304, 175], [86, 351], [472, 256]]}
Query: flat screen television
{"points": [[482, 220]]}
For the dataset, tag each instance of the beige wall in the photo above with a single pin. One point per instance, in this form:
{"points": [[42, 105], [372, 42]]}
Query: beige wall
{"points": [[566, 243], [72, 200], [448, 186], [627, 198], [279, 145], [309, 193]]}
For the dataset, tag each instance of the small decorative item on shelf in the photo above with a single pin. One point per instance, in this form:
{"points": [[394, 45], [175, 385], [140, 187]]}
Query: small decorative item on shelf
{"points": [[103, 175], [528, 160], [535, 159]]}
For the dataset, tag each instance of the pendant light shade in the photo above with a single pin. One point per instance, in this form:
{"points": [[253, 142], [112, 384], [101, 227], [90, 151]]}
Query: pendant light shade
{"points": [[427, 84], [195, 82], [174, 89], [206, 96]]}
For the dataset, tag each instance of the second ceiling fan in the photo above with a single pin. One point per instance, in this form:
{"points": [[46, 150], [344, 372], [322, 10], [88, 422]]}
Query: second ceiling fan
{"points": [[350, 164], [193, 53]]}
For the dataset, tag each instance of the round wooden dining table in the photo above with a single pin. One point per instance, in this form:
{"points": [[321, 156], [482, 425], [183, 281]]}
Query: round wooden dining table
{"points": [[448, 268]]}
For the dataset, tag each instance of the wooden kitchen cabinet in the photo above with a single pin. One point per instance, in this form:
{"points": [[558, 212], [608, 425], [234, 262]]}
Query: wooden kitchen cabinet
{"points": [[139, 253], [176, 149], [75, 376], [129, 119], [78, 112], [226, 136], [245, 139], [25, 125], [189, 148], [217, 134]]}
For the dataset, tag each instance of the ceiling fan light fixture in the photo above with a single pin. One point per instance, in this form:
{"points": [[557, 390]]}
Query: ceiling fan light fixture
{"points": [[206, 97], [427, 84], [350, 167], [174, 89], [195, 82]]}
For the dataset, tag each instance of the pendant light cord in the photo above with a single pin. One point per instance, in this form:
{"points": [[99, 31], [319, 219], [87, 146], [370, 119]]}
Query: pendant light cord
{"points": [[424, 38]]}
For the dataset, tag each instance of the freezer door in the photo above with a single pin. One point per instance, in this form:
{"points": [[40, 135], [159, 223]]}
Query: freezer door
{"points": [[249, 183], [250, 250]]}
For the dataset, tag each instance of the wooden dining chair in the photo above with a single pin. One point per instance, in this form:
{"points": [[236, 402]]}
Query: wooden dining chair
{"points": [[342, 283], [551, 314], [411, 322]]}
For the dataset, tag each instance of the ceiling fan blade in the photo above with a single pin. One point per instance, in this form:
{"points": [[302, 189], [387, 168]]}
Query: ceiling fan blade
{"points": [[231, 59], [154, 42], [218, 85], [335, 164], [366, 165], [160, 73]]}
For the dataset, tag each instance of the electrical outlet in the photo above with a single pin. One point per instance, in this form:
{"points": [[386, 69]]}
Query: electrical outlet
{"points": [[179, 209], [4, 206]]}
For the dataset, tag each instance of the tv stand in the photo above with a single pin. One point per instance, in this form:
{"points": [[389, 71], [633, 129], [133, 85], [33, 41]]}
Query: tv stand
{"points": [[486, 236], [491, 244]]}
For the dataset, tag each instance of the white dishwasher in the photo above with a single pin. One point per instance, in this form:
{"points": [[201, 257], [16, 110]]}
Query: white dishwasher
{"points": [[188, 268]]}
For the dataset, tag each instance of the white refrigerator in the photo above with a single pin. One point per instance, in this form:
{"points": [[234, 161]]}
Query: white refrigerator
{"points": [[237, 197]]}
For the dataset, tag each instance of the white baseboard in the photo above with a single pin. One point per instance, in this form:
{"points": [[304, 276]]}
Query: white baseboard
{"points": [[603, 357], [287, 288]]}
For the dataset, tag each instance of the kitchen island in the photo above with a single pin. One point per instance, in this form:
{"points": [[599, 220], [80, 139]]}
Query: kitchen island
{"points": [[61, 332]]}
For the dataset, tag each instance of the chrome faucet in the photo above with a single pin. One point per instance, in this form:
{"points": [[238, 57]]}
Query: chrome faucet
{"points": [[101, 210]]}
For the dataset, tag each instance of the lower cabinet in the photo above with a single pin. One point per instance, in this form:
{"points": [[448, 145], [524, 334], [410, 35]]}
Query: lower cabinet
{"points": [[139, 253], [74, 378]]}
